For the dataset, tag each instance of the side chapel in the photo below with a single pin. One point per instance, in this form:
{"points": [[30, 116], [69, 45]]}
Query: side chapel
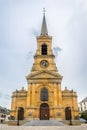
{"points": [[44, 98]]}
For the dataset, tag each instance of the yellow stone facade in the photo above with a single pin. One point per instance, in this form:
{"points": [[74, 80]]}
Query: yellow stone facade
{"points": [[44, 98]]}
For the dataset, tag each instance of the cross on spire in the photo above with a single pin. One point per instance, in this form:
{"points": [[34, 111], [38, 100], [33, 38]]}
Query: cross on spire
{"points": [[44, 11]]}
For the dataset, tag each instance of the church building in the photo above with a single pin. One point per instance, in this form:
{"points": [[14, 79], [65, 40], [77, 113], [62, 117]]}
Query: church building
{"points": [[44, 98]]}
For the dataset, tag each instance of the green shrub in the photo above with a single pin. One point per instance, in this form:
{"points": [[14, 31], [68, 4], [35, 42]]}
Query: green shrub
{"points": [[84, 115]]}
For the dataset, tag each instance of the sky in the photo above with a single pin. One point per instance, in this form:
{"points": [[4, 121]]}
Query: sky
{"points": [[20, 23]]}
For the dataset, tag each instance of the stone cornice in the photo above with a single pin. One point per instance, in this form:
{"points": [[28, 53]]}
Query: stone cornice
{"points": [[44, 37], [44, 56]]}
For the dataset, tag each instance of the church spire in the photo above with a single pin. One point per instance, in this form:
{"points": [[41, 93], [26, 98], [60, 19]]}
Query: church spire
{"points": [[44, 31]]}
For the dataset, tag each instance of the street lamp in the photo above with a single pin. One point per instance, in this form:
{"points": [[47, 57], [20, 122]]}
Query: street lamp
{"points": [[18, 112]]}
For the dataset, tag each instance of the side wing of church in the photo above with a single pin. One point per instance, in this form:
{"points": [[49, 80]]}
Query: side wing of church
{"points": [[44, 98]]}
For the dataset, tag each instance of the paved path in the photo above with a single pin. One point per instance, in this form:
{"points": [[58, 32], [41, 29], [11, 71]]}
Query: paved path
{"points": [[5, 127], [44, 123]]}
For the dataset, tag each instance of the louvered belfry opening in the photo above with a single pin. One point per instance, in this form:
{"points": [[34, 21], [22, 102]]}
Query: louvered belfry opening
{"points": [[44, 49]]}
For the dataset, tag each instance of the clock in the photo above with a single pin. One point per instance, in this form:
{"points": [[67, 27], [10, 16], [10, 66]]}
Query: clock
{"points": [[44, 63]]}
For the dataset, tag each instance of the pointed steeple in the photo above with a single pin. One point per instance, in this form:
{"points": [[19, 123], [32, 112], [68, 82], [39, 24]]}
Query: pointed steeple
{"points": [[44, 31]]}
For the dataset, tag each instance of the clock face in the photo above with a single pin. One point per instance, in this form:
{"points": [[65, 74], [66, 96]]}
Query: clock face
{"points": [[44, 63]]}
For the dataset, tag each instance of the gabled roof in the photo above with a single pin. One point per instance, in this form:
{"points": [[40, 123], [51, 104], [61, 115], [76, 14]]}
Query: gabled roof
{"points": [[84, 100], [44, 74]]}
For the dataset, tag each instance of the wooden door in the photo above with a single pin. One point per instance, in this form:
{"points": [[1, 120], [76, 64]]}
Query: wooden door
{"points": [[68, 113], [21, 113], [44, 112]]}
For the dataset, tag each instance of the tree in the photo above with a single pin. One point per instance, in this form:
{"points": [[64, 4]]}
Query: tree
{"points": [[84, 115]]}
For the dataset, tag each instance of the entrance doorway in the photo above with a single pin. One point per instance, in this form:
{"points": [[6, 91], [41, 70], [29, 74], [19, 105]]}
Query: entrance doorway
{"points": [[44, 111], [68, 113], [21, 113]]}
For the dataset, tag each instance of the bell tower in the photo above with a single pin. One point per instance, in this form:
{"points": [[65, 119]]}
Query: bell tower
{"points": [[44, 81], [44, 58]]}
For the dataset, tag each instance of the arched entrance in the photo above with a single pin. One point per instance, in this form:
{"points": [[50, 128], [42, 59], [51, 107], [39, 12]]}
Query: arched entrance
{"points": [[44, 111], [68, 113], [20, 113]]}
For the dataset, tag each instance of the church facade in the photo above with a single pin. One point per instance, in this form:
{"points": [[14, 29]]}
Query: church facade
{"points": [[44, 98]]}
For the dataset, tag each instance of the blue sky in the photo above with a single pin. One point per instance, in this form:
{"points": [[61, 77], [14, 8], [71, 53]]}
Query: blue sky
{"points": [[20, 23]]}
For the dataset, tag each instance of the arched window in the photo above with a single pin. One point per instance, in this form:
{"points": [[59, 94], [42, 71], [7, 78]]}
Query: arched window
{"points": [[44, 94], [44, 49]]}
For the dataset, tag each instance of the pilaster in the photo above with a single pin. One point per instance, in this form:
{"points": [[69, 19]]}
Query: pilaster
{"points": [[59, 95], [55, 94], [29, 95], [33, 95]]}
